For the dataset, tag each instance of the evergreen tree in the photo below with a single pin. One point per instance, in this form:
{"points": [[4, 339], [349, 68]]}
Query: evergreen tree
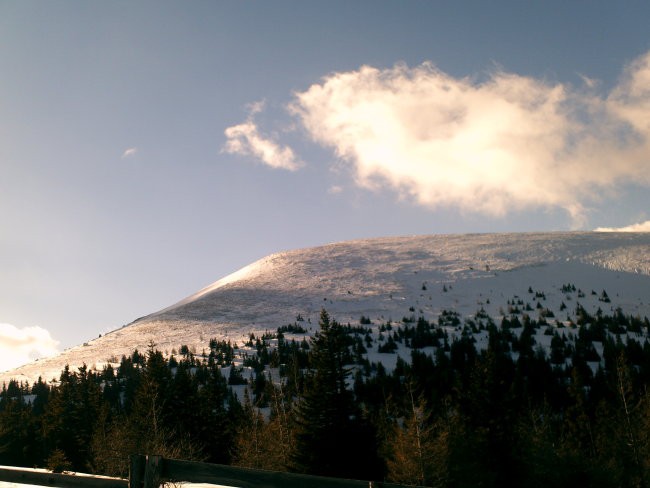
{"points": [[219, 413], [332, 439], [70, 416], [577, 447], [20, 439]]}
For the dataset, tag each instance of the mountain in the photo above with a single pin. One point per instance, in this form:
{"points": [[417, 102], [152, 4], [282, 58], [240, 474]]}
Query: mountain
{"points": [[387, 279]]}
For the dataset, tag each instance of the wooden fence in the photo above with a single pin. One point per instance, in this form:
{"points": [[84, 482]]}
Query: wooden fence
{"points": [[153, 471]]}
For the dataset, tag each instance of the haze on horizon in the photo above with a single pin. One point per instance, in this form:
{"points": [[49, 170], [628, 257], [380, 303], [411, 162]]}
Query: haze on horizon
{"points": [[150, 148]]}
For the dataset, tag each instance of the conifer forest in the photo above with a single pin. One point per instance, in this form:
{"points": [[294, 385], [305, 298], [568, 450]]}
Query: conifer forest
{"points": [[505, 413]]}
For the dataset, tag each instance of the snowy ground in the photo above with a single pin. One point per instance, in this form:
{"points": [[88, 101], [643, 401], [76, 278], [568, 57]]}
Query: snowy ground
{"points": [[386, 279], [40, 470]]}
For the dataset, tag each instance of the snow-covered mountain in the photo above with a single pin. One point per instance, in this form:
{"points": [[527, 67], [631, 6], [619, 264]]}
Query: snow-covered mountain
{"points": [[386, 279]]}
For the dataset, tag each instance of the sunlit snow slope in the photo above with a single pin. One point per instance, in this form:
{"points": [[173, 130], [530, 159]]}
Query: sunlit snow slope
{"points": [[382, 279]]}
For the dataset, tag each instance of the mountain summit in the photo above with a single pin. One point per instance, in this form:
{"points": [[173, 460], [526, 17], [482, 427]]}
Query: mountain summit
{"points": [[380, 279]]}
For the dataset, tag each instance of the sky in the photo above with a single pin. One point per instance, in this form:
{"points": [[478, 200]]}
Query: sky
{"points": [[149, 148]]}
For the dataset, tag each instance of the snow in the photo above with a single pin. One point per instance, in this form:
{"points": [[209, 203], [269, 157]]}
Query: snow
{"points": [[387, 279], [5, 484]]}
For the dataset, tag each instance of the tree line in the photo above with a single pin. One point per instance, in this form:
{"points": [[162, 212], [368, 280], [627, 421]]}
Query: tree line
{"points": [[509, 414]]}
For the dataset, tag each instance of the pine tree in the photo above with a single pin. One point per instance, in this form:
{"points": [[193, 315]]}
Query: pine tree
{"points": [[149, 426], [20, 439], [219, 412], [577, 446], [332, 439], [70, 416]]}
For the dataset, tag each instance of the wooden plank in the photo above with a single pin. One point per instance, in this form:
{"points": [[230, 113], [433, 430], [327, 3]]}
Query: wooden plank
{"points": [[193, 472], [30, 477], [152, 471], [136, 470]]}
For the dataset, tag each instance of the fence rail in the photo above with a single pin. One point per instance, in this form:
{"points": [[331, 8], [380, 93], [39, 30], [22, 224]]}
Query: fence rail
{"points": [[152, 471]]}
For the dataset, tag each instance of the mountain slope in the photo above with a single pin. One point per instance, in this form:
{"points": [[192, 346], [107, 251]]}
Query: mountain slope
{"points": [[384, 279]]}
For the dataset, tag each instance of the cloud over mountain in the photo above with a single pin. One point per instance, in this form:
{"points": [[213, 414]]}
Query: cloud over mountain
{"points": [[640, 227], [492, 146], [19, 346], [501, 144]]}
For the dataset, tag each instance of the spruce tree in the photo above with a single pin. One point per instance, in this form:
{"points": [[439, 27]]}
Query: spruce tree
{"points": [[70, 416], [331, 437], [20, 439]]}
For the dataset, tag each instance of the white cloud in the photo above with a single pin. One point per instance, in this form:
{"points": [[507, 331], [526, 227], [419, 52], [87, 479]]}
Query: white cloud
{"points": [[20, 346], [335, 190], [507, 143], [640, 227], [589, 82], [129, 152], [245, 139]]}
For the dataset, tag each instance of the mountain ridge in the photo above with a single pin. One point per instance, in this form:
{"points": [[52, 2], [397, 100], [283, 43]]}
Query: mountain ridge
{"points": [[383, 278]]}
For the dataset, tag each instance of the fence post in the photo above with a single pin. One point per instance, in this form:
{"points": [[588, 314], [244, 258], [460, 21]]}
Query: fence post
{"points": [[136, 470], [152, 472]]}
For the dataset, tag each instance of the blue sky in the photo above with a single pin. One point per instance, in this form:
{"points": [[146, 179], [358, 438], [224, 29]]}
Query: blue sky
{"points": [[149, 148]]}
